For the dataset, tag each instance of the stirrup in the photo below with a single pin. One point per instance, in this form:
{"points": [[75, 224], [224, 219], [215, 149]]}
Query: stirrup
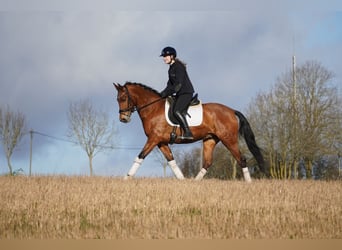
{"points": [[186, 137]]}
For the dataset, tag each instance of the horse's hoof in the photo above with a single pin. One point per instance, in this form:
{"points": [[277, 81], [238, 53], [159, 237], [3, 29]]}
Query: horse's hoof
{"points": [[127, 177]]}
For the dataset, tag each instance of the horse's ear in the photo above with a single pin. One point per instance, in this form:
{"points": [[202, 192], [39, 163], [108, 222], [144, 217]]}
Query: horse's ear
{"points": [[117, 85]]}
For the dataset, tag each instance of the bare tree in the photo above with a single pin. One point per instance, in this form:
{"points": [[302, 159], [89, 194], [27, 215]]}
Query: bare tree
{"points": [[298, 122], [12, 127], [319, 112], [91, 128]]}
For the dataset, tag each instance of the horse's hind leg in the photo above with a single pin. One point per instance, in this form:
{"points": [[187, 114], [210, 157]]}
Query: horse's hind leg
{"points": [[165, 149], [208, 148], [233, 147]]}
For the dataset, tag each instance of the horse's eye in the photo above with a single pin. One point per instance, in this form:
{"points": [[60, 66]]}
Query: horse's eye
{"points": [[122, 98]]}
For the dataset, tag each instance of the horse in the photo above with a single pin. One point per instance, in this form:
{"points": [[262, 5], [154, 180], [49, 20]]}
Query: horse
{"points": [[220, 124]]}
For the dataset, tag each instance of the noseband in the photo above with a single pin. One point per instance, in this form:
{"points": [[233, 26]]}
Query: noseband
{"points": [[131, 107]]}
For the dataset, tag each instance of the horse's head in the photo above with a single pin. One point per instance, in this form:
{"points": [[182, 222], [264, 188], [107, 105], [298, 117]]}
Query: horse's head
{"points": [[126, 106]]}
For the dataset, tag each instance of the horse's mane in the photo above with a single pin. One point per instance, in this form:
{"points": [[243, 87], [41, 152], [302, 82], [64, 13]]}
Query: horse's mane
{"points": [[143, 86]]}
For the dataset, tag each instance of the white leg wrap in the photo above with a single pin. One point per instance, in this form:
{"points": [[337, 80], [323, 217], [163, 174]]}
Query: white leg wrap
{"points": [[201, 174], [246, 175], [178, 173], [134, 168]]}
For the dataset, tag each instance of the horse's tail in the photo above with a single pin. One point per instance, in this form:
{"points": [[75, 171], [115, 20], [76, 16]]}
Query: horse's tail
{"points": [[246, 130]]}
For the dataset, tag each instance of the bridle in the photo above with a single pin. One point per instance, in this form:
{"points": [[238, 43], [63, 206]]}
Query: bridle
{"points": [[131, 107]]}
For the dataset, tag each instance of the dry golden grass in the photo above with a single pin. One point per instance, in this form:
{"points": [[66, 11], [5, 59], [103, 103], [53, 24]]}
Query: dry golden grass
{"points": [[110, 208]]}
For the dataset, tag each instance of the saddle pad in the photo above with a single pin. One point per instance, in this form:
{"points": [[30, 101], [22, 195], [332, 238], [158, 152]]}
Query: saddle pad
{"points": [[195, 112]]}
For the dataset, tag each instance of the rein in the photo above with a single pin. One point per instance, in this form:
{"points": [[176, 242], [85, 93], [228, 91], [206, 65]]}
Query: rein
{"points": [[133, 108], [148, 104]]}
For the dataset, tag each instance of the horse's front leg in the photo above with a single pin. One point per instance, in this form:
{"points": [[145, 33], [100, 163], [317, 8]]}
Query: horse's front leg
{"points": [[140, 158], [165, 149]]}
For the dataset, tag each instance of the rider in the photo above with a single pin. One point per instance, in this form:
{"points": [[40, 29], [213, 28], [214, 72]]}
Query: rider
{"points": [[179, 84]]}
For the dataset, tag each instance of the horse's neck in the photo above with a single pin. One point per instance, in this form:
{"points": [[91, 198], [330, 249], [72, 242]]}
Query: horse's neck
{"points": [[145, 102], [144, 97]]}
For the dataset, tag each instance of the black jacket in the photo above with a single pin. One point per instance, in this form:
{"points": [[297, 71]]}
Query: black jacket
{"points": [[179, 82]]}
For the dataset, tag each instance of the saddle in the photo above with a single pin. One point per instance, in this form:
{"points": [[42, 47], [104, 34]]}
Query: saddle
{"points": [[171, 99]]}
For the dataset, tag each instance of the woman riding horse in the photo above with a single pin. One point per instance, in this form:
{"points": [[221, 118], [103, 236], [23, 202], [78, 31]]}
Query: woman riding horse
{"points": [[179, 84], [220, 124]]}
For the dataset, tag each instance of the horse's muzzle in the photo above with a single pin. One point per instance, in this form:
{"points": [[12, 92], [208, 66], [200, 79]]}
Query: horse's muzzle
{"points": [[125, 118]]}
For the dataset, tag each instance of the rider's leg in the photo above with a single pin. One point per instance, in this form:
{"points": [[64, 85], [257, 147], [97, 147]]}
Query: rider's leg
{"points": [[184, 124], [180, 108]]}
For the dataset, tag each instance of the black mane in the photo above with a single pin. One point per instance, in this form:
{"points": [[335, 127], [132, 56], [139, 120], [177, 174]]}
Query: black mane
{"points": [[143, 86]]}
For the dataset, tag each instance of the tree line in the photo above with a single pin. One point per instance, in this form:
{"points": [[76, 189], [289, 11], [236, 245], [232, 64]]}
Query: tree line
{"points": [[297, 123]]}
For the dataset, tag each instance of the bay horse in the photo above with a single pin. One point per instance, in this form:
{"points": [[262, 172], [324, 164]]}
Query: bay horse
{"points": [[220, 123]]}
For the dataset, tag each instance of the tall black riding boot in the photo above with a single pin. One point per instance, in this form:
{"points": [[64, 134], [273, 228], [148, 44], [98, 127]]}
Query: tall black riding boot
{"points": [[187, 135]]}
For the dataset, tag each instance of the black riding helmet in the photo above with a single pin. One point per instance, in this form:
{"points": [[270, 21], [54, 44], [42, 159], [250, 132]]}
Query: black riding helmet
{"points": [[168, 51]]}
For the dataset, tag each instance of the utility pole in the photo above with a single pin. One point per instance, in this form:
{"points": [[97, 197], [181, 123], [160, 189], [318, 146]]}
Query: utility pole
{"points": [[31, 139], [294, 80], [295, 115], [339, 165]]}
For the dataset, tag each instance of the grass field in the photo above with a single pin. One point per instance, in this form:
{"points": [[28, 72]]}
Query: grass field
{"points": [[152, 208]]}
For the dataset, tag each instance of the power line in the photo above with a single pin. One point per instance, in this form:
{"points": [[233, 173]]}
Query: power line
{"points": [[31, 132], [75, 142], [53, 137]]}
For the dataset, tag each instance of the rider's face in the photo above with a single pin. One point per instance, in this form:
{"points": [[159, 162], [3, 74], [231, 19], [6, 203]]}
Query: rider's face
{"points": [[167, 59]]}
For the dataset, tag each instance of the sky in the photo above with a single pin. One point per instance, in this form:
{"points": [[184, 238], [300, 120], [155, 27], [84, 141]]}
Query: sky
{"points": [[52, 55]]}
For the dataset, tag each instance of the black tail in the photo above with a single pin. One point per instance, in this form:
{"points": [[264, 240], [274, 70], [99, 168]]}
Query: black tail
{"points": [[246, 130]]}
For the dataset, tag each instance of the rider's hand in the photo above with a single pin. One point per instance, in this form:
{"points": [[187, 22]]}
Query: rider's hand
{"points": [[163, 94]]}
